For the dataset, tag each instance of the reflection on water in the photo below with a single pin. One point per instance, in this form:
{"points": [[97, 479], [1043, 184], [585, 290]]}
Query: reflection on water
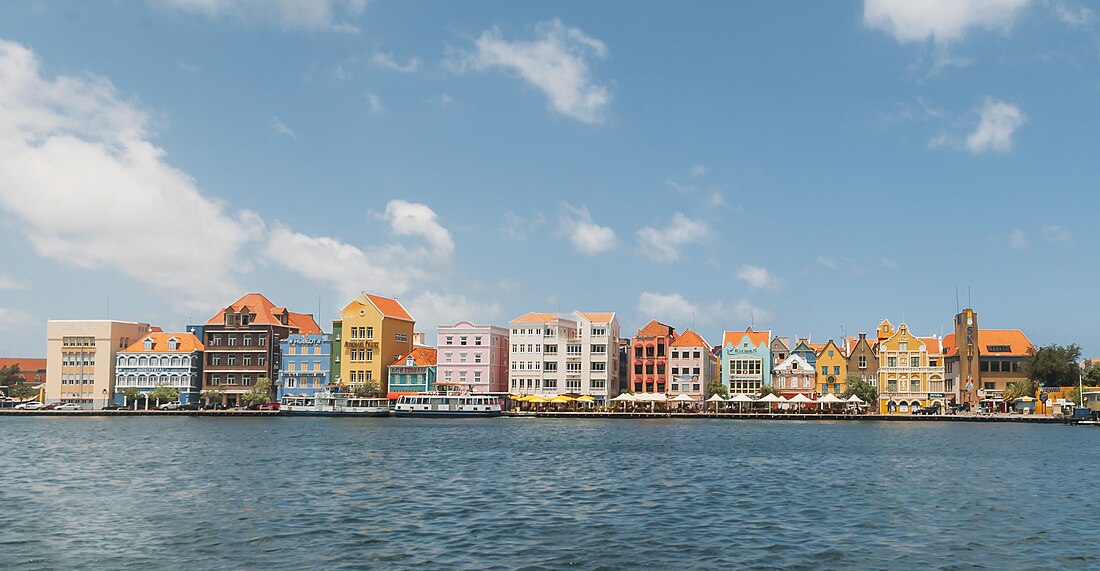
{"points": [[286, 493]]}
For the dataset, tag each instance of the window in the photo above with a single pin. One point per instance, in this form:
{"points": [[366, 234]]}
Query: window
{"points": [[649, 369], [231, 360], [824, 370], [369, 333], [247, 340], [984, 366], [914, 385], [638, 352], [599, 349], [675, 355], [572, 367], [892, 385], [246, 360], [998, 348], [598, 366], [832, 353], [573, 384], [862, 361], [477, 340], [891, 361], [370, 354], [914, 361], [836, 369], [232, 340], [598, 383], [450, 340], [462, 340], [462, 357], [638, 369], [550, 366]]}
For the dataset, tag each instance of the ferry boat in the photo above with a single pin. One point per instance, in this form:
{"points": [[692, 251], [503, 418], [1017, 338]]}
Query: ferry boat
{"points": [[334, 404], [447, 405]]}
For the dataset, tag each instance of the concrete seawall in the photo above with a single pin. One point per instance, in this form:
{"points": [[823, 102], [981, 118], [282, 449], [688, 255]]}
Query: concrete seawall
{"points": [[1026, 419], [207, 413]]}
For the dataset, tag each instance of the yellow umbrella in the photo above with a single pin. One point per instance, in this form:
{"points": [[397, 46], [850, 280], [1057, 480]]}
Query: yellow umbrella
{"points": [[518, 397], [561, 398], [587, 398], [536, 398]]}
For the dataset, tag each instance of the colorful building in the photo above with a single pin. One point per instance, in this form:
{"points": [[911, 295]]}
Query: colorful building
{"points": [[793, 376], [473, 356], [649, 350], [693, 365], [781, 348], [863, 359], [808, 351], [305, 364], [243, 343], [832, 369], [169, 359], [746, 361], [81, 357], [981, 363], [415, 372], [31, 372], [372, 332], [574, 354], [911, 370]]}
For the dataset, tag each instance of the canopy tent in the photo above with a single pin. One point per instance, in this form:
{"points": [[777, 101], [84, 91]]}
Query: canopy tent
{"points": [[716, 398], [586, 399], [624, 397], [772, 398], [854, 399], [741, 399], [683, 398], [829, 399], [801, 398]]}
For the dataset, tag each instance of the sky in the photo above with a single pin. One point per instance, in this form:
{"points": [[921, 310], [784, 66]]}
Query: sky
{"points": [[805, 167]]}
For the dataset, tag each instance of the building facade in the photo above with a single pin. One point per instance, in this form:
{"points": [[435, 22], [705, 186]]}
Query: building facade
{"points": [[863, 359], [746, 361], [693, 365], [415, 372], [553, 354], [81, 357], [781, 348], [169, 359], [372, 332], [474, 356], [649, 351], [981, 363], [911, 370], [832, 369], [243, 343], [794, 376], [305, 364]]}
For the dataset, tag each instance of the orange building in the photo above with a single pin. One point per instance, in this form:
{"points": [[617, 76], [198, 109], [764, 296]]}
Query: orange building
{"points": [[650, 348]]}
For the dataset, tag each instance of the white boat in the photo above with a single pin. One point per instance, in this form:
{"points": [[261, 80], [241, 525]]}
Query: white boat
{"points": [[334, 404], [447, 405]]}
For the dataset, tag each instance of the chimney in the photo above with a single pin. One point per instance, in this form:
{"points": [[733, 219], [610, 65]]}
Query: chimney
{"points": [[863, 336]]}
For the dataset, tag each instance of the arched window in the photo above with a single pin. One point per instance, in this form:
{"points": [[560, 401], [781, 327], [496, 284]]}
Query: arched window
{"points": [[143, 361]]}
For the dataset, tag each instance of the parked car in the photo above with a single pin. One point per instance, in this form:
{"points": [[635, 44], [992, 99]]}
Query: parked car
{"points": [[33, 405], [191, 406], [269, 406], [112, 407], [174, 405], [934, 409], [50, 406], [68, 406]]}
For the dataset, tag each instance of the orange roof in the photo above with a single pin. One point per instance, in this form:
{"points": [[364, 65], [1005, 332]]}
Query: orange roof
{"points": [[535, 318], [598, 317], [817, 347], [264, 312], [656, 329], [1017, 342], [948, 342], [388, 307], [690, 338], [422, 356], [187, 343], [304, 322], [755, 337], [25, 365], [932, 345]]}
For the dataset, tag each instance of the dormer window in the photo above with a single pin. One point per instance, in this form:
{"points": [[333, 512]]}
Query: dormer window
{"points": [[173, 344], [148, 344], [245, 319]]}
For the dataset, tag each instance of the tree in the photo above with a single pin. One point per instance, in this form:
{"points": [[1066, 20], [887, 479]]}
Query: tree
{"points": [[367, 389], [131, 394], [715, 387], [1092, 375], [260, 393], [22, 391], [860, 387], [769, 390], [164, 393], [211, 396], [1054, 365], [10, 376]]}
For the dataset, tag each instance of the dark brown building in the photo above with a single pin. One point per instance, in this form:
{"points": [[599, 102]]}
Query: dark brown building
{"points": [[863, 359]]}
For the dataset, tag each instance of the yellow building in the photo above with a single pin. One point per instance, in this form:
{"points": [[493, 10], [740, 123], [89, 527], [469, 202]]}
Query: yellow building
{"points": [[372, 333], [910, 373], [832, 369]]}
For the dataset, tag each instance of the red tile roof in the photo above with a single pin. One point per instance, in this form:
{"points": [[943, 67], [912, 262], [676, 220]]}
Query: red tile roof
{"points": [[388, 307], [690, 338], [187, 343], [535, 318], [655, 329], [932, 345], [599, 317], [422, 356], [26, 365], [304, 322], [755, 337]]}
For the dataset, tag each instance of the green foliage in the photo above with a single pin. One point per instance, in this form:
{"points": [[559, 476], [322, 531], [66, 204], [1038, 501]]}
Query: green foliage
{"points": [[211, 396], [1092, 375], [1054, 365], [860, 387], [261, 392], [368, 389], [10, 376], [22, 391], [164, 393], [769, 390], [131, 394], [1019, 389], [714, 387]]}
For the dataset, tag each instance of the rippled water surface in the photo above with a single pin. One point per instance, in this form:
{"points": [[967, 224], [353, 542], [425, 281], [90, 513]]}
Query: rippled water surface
{"points": [[287, 493]]}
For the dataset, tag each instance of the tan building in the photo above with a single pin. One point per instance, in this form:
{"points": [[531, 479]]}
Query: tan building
{"points": [[372, 332], [981, 363], [81, 355], [911, 370]]}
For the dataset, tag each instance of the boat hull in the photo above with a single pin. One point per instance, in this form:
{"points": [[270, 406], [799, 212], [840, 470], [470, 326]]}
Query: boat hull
{"points": [[447, 413], [373, 413]]}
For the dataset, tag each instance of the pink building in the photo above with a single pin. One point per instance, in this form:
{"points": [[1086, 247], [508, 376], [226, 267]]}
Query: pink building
{"points": [[473, 356]]}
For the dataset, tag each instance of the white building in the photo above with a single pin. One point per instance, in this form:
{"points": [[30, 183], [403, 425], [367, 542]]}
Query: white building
{"points": [[576, 354], [794, 375]]}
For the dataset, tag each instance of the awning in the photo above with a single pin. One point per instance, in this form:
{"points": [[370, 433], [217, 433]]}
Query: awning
{"points": [[624, 397], [394, 395]]}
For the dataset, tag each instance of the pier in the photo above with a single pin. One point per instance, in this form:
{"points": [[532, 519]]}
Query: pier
{"points": [[1024, 419]]}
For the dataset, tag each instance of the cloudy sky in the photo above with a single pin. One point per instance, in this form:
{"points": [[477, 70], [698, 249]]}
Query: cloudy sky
{"points": [[812, 167]]}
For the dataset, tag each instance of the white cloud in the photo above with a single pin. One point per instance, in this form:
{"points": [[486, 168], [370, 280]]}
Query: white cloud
{"points": [[888, 263], [673, 308], [328, 15], [432, 309], [556, 62], [15, 319], [189, 68], [1057, 234], [586, 236], [697, 171], [759, 277], [375, 103], [663, 244], [942, 21], [827, 263], [385, 60], [508, 285], [71, 146], [1073, 16], [518, 228], [994, 133], [1017, 240], [414, 219], [8, 282], [279, 127]]}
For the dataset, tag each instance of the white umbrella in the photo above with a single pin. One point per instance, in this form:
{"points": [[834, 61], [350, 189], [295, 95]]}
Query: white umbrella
{"points": [[682, 398], [854, 399], [829, 399], [624, 397], [741, 398], [716, 398], [801, 399], [771, 398]]}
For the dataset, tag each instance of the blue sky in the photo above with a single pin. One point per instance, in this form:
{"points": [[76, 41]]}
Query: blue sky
{"points": [[811, 166]]}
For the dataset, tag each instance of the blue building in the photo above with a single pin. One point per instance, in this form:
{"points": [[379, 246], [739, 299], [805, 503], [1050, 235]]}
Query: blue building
{"points": [[413, 372], [305, 364], [746, 361], [160, 359]]}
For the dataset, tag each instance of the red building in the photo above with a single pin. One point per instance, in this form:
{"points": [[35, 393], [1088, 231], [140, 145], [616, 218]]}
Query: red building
{"points": [[649, 352]]}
